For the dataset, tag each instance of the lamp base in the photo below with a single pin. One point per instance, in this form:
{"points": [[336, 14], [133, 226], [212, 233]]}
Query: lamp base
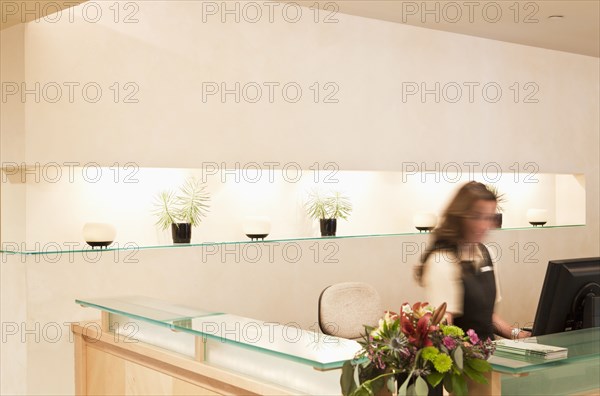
{"points": [[257, 236], [537, 223], [103, 244], [426, 229]]}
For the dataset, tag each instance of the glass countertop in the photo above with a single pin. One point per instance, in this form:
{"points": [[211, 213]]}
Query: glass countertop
{"points": [[132, 246], [582, 345], [315, 349], [289, 342]]}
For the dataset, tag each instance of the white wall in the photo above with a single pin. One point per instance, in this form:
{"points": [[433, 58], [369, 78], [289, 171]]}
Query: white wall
{"points": [[268, 282], [170, 52], [383, 202], [12, 136], [13, 285]]}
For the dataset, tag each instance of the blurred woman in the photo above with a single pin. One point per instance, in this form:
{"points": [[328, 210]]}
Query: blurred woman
{"points": [[457, 267]]}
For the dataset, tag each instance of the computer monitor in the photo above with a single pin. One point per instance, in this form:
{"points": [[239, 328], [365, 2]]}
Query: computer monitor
{"points": [[570, 297]]}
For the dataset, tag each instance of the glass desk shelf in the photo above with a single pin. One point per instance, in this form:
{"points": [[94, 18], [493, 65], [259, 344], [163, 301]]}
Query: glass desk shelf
{"points": [[309, 363], [583, 345], [130, 246], [578, 374], [317, 350]]}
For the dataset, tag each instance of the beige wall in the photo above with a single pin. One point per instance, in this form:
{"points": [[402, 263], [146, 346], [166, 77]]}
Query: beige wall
{"points": [[169, 58], [169, 53], [12, 136], [268, 282], [383, 203]]}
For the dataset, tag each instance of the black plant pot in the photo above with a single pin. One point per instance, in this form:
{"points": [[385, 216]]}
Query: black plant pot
{"points": [[328, 227], [182, 232]]}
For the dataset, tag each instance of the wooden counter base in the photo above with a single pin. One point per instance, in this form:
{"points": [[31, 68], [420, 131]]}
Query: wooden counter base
{"points": [[109, 364]]}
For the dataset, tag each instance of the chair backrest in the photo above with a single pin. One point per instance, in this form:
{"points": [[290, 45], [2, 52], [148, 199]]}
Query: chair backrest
{"points": [[345, 308]]}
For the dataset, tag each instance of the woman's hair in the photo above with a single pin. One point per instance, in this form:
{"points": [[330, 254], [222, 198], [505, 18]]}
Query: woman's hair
{"points": [[452, 228]]}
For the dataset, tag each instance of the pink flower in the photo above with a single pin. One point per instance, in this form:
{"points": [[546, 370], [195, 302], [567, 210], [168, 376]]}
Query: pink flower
{"points": [[473, 336], [449, 343]]}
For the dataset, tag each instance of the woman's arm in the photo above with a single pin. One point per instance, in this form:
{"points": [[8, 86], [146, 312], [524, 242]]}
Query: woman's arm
{"points": [[505, 330], [443, 283]]}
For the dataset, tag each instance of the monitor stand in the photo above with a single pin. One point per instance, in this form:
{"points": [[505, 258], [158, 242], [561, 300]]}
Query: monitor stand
{"points": [[591, 311]]}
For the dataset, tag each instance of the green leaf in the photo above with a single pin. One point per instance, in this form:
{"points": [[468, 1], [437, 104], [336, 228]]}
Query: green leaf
{"points": [[402, 391], [421, 388], [459, 385], [347, 382], [475, 375], [458, 357], [435, 378], [377, 384], [392, 385], [363, 390], [448, 383], [480, 365]]}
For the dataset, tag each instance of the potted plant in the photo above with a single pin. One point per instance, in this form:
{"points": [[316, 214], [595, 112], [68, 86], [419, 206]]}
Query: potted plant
{"points": [[182, 210], [500, 199], [327, 209]]}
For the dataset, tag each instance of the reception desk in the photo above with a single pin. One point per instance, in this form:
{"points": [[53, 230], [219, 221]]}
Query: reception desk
{"points": [[579, 374], [146, 346]]}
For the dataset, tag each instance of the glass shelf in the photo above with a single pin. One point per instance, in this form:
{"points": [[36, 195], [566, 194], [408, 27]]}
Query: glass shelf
{"points": [[318, 350], [583, 345], [132, 246]]}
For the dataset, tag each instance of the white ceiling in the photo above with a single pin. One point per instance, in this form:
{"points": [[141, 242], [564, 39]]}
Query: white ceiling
{"points": [[13, 12], [522, 22]]}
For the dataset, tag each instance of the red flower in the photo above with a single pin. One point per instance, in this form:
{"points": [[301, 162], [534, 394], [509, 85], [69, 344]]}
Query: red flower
{"points": [[419, 335]]}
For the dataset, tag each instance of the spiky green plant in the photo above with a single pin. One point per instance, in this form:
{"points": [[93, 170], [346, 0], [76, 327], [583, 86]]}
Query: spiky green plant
{"points": [[192, 201], [332, 206], [339, 206], [188, 206], [316, 206], [165, 209]]}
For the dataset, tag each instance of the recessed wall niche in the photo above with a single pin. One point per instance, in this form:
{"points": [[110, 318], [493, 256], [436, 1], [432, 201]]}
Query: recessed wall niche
{"points": [[60, 201]]}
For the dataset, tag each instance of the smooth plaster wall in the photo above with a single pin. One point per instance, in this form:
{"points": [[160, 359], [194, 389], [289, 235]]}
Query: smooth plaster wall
{"points": [[12, 134], [169, 53], [383, 203], [281, 284], [13, 284]]}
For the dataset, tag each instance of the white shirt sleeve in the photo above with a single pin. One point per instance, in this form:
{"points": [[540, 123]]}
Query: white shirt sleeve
{"points": [[442, 281]]}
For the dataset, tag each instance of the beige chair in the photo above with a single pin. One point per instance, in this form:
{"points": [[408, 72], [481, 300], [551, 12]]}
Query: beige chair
{"points": [[344, 309]]}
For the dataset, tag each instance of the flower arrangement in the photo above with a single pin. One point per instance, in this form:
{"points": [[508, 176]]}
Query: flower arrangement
{"points": [[414, 348]]}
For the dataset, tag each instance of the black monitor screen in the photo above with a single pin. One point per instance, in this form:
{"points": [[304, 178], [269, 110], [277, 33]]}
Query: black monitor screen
{"points": [[570, 298]]}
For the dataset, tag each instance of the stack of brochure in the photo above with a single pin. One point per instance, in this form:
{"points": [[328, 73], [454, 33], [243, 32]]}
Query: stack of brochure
{"points": [[529, 348]]}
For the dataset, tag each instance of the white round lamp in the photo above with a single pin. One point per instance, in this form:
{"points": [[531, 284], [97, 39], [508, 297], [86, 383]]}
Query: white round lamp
{"points": [[99, 234], [257, 227]]}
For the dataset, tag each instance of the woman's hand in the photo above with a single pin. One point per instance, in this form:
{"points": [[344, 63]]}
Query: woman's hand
{"points": [[517, 333], [503, 329]]}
